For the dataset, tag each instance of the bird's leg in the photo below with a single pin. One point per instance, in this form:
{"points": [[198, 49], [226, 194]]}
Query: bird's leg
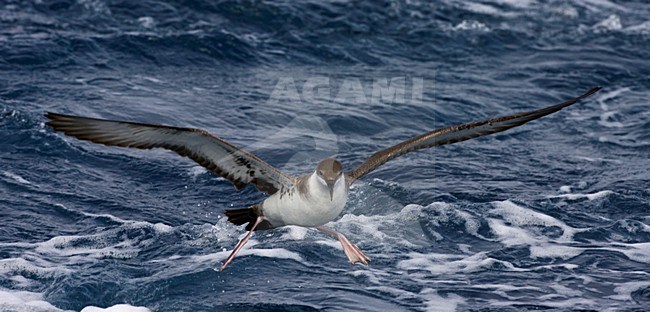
{"points": [[354, 254], [239, 245]]}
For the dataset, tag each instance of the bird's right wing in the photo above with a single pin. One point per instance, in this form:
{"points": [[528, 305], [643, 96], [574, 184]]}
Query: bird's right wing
{"points": [[211, 152], [456, 134]]}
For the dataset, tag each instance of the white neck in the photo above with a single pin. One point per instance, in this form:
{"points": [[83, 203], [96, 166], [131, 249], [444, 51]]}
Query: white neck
{"points": [[318, 188]]}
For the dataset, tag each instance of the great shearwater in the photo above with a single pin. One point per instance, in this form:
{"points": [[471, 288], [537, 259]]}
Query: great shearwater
{"points": [[310, 200]]}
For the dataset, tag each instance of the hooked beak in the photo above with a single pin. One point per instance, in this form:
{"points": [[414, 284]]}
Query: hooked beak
{"points": [[330, 186]]}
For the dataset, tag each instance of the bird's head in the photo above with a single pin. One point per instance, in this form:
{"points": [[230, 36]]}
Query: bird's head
{"points": [[329, 171]]}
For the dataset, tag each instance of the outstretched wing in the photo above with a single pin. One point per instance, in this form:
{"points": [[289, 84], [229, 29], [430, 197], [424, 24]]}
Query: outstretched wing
{"points": [[456, 134], [211, 152]]}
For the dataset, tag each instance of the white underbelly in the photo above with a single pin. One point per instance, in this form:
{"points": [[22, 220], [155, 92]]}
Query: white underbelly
{"points": [[294, 209]]}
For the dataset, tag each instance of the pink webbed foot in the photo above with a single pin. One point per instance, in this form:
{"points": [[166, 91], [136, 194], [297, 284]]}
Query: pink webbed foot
{"points": [[354, 254]]}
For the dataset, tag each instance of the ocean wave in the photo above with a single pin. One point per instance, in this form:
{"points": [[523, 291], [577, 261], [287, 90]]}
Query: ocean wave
{"points": [[551, 216]]}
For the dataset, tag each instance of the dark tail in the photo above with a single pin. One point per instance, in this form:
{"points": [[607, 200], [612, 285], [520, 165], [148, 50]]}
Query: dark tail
{"points": [[247, 215]]}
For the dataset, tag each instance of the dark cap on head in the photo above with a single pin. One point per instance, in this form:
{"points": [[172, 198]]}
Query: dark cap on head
{"points": [[329, 169]]}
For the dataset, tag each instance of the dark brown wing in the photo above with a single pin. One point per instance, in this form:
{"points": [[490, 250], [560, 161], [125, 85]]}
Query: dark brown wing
{"points": [[458, 133], [217, 155]]}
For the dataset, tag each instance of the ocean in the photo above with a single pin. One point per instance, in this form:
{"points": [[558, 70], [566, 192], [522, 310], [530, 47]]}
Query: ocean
{"points": [[553, 215]]}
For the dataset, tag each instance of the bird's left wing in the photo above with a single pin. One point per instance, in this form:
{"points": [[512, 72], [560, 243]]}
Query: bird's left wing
{"points": [[456, 134], [215, 154]]}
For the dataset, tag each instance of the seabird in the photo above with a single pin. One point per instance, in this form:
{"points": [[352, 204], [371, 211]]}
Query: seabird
{"points": [[310, 200]]}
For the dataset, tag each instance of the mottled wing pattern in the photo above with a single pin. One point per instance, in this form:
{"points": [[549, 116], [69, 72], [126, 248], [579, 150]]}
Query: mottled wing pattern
{"points": [[456, 134], [211, 152]]}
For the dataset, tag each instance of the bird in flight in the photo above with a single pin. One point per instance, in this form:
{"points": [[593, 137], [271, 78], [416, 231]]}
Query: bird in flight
{"points": [[310, 200]]}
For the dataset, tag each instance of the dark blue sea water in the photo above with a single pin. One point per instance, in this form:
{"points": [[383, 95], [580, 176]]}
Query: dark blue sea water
{"points": [[554, 215]]}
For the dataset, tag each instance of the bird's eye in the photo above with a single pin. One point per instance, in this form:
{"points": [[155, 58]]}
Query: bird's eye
{"points": [[320, 172]]}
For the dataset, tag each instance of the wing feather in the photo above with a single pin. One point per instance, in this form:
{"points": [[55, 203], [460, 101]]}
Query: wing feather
{"points": [[459, 133], [211, 152]]}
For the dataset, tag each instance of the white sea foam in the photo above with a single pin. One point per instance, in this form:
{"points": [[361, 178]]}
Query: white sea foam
{"points": [[400, 294], [438, 264], [35, 266], [613, 22], [592, 196], [602, 4], [195, 171], [510, 235], [483, 8], [643, 28], [364, 224], [511, 224], [24, 301], [62, 255], [606, 96], [565, 291], [545, 250], [624, 290], [514, 225], [21, 282], [373, 276], [599, 159], [471, 25], [177, 264], [66, 246], [634, 226], [158, 227], [639, 252], [16, 177], [525, 229], [330, 243], [517, 215], [565, 10], [147, 21], [393, 230], [521, 4], [278, 253], [606, 120], [629, 140], [102, 244], [465, 248], [574, 303], [294, 232], [116, 308], [505, 288], [438, 303], [445, 213]]}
